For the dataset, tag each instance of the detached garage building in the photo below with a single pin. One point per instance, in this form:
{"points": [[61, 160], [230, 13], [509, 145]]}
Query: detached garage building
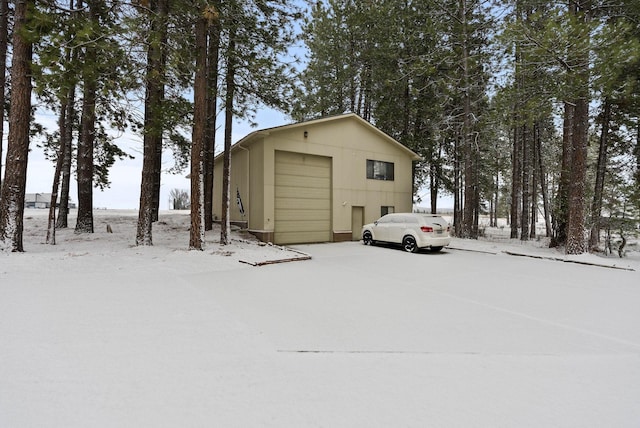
{"points": [[316, 181]]}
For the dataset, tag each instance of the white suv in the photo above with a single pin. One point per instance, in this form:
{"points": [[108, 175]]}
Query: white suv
{"points": [[412, 230]]}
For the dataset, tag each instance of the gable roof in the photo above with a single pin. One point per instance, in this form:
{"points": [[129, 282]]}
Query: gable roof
{"points": [[254, 136]]}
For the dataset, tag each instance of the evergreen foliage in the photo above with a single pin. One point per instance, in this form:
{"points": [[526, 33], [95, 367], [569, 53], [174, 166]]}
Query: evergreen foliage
{"points": [[463, 83], [518, 108]]}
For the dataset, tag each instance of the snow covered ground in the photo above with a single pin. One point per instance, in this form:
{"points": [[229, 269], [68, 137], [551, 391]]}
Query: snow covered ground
{"points": [[95, 332]]}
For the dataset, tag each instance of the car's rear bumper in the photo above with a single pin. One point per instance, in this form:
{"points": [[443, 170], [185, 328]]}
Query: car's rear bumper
{"points": [[426, 242]]}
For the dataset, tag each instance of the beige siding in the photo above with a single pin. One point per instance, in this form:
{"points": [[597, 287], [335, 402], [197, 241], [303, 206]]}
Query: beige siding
{"points": [[302, 182], [239, 181], [302, 198], [349, 144], [255, 203]]}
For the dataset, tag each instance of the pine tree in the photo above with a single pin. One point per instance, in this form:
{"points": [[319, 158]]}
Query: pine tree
{"points": [[15, 179], [197, 230], [578, 58], [4, 42], [230, 88], [258, 35], [616, 80], [106, 76], [531, 92], [213, 59], [55, 187], [153, 120], [84, 221], [68, 120]]}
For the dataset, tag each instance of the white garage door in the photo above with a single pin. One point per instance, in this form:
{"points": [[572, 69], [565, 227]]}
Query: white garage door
{"points": [[302, 198]]}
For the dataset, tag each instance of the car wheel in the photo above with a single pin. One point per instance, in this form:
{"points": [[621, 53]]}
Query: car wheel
{"points": [[367, 239], [409, 244], [435, 249]]}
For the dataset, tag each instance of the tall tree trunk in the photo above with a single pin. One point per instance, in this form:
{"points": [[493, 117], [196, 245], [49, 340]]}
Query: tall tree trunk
{"points": [[84, 222], [352, 81], [15, 179], [159, 32], [526, 190], [225, 223], [561, 209], [467, 142], [516, 179], [213, 57], [518, 143], [534, 182], [153, 123], [67, 140], [4, 41], [62, 146], [596, 204], [433, 187], [636, 152], [457, 200], [157, 182], [434, 177], [197, 232], [366, 92], [406, 112], [576, 243], [542, 179], [496, 198], [491, 211]]}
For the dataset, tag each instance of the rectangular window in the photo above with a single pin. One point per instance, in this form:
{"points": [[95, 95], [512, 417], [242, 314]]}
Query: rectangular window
{"points": [[379, 170], [386, 210]]}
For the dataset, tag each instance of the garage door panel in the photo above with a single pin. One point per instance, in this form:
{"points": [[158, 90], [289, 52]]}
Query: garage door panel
{"points": [[301, 158], [302, 170], [302, 215], [305, 226], [302, 181], [302, 198], [299, 237], [301, 204], [302, 193]]}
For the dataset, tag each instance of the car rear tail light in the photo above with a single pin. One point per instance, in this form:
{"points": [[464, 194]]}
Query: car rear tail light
{"points": [[426, 229]]}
